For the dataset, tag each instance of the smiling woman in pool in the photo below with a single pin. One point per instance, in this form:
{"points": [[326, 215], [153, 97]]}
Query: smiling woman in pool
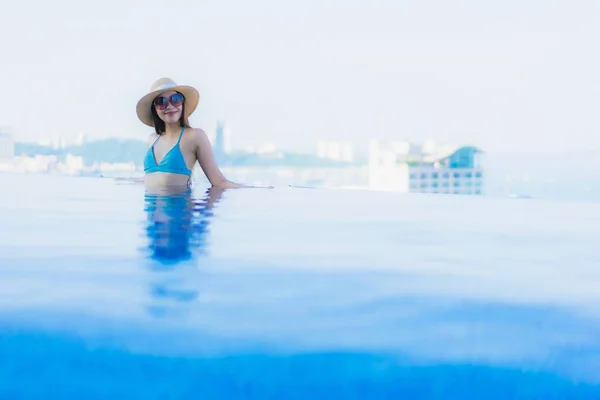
{"points": [[174, 146]]}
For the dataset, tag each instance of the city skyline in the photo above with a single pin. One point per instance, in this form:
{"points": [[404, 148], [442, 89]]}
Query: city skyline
{"points": [[501, 77]]}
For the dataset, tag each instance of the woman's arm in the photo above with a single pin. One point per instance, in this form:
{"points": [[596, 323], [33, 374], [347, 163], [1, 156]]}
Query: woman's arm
{"points": [[206, 159]]}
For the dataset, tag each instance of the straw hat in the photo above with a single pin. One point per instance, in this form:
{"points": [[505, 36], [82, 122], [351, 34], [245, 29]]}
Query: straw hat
{"points": [[143, 108]]}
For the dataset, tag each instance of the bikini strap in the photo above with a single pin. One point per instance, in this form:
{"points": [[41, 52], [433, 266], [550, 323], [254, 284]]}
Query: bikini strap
{"points": [[180, 134]]}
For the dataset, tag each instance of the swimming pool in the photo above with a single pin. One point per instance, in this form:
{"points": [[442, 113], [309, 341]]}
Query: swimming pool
{"points": [[294, 293]]}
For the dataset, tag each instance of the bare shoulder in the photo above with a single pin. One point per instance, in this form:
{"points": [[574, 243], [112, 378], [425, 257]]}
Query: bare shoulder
{"points": [[197, 135], [151, 138]]}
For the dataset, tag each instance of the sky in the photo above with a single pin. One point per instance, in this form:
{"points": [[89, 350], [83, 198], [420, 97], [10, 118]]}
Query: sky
{"points": [[504, 75]]}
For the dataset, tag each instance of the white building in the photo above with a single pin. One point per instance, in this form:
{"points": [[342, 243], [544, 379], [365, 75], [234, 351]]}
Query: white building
{"points": [[7, 146], [404, 167], [79, 139], [59, 142], [337, 151], [266, 148], [442, 179]]}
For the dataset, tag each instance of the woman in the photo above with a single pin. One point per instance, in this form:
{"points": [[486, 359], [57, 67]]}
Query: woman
{"points": [[174, 146]]}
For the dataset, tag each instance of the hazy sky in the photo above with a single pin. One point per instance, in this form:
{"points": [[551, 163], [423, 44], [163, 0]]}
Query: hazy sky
{"points": [[505, 75]]}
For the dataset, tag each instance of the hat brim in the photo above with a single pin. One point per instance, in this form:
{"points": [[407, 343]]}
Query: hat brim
{"points": [[144, 105]]}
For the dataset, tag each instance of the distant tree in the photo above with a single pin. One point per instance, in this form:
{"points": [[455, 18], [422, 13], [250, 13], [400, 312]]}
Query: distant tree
{"points": [[106, 150]]}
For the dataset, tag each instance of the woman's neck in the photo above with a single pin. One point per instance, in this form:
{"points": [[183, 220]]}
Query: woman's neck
{"points": [[172, 129]]}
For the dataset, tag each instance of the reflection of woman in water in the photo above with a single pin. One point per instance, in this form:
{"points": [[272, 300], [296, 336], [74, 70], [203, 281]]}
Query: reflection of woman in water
{"points": [[177, 230], [177, 224]]}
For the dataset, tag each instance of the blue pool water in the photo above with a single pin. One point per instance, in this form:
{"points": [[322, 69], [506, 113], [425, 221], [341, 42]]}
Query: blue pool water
{"points": [[107, 292]]}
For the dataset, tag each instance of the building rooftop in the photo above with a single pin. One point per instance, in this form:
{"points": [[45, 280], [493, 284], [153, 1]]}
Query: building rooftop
{"points": [[432, 153]]}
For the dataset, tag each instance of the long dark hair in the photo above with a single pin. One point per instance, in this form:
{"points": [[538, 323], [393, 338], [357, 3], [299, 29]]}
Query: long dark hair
{"points": [[159, 124]]}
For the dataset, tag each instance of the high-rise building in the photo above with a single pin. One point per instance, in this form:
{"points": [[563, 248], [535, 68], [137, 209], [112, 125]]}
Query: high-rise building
{"points": [[59, 142], [7, 146], [222, 146], [227, 140]]}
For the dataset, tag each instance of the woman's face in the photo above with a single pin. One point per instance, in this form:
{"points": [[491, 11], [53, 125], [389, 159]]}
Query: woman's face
{"points": [[169, 106]]}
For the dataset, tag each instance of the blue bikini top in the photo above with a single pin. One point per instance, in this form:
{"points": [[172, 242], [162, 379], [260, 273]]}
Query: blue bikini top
{"points": [[173, 162]]}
